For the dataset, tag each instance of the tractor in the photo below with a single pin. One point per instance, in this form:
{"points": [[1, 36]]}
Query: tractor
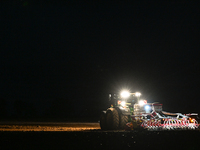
{"points": [[118, 115], [129, 112]]}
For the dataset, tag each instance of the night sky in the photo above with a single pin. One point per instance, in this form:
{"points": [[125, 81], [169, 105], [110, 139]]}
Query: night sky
{"points": [[66, 56]]}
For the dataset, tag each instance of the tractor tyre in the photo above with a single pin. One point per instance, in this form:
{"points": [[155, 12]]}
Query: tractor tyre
{"points": [[123, 120], [112, 119], [103, 121]]}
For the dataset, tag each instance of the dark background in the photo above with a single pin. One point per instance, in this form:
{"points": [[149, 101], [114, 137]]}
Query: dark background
{"points": [[60, 60]]}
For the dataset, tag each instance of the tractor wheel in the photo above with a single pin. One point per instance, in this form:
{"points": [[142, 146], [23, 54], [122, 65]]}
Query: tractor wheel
{"points": [[103, 121], [123, 120], [112, 119]]}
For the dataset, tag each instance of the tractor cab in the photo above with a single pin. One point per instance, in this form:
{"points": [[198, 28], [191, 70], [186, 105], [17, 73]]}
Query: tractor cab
{"points": [[120, 110], [124, 99]]}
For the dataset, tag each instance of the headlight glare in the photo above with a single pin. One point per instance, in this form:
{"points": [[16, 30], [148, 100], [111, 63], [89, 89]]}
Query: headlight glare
{"points": [[125, 94], [123, 103]]}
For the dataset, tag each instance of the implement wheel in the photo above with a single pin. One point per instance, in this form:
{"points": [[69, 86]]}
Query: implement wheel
{"points": [[112, 119], [103, 120]]}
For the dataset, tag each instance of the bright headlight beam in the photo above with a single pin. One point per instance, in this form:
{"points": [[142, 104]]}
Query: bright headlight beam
{"points": [[125, 94], [141, 102], [137, 94], [147, 107], [123, 103]]}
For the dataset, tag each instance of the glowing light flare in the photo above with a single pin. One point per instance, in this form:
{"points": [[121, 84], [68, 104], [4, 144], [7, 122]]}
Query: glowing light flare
{"points": [[137, 94], [125, 94], [192, 120], [147, 107], [141, 102], [123, 103]]}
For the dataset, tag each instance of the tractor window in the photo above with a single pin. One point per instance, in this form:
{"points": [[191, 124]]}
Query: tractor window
{"points": [[132, 99]]}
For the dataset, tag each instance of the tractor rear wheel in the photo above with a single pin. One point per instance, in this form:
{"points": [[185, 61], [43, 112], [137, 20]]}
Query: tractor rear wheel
{"points": [[103, 121], [123, 121], [112, 119]]}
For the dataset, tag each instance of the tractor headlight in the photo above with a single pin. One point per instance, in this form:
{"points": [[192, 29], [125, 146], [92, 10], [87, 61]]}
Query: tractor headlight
{"points": [[125, 94], [147, 107], [123, 103], [141, 102]]}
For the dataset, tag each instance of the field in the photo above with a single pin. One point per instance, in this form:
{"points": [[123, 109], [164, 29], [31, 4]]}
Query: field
{"points": [[49, 126], [96, 139]]}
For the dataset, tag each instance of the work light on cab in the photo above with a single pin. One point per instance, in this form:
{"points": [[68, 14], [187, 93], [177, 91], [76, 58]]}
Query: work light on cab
{"points": [[137, 94], [125, 94]]}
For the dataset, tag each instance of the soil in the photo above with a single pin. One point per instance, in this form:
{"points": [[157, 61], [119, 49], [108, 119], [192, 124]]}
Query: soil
{"points": [[97, 139], [49, 126]]}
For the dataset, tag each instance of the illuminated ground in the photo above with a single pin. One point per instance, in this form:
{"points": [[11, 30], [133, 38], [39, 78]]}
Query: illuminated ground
{"points": [[51, 126], [89, 136], [48, 126]]}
